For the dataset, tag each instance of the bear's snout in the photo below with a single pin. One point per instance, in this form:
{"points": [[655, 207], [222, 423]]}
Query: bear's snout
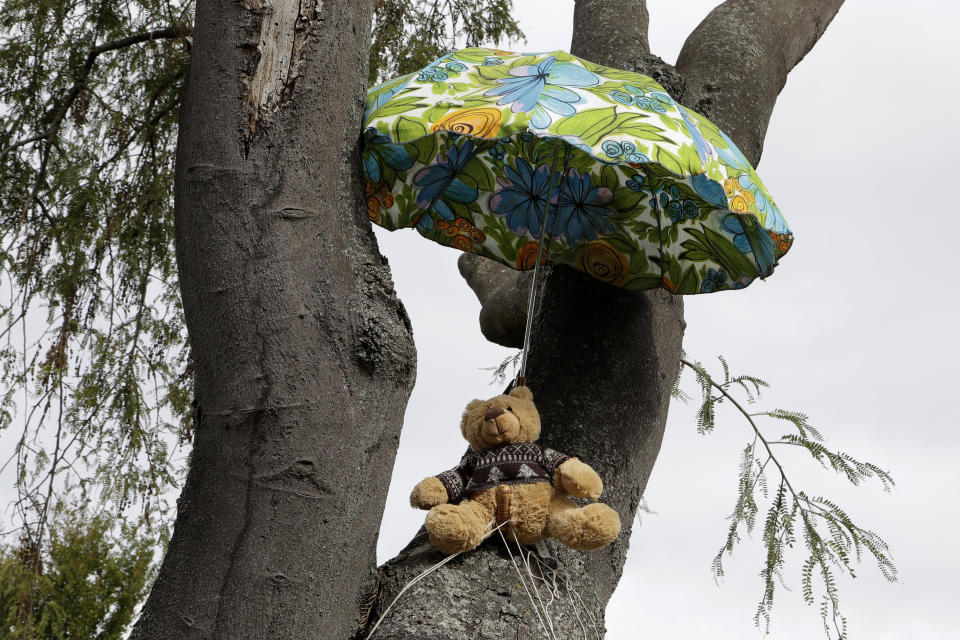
{"points": [[492, 413]]}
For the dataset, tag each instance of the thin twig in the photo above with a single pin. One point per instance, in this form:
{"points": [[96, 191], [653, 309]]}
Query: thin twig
{"points": [[749, 417]]}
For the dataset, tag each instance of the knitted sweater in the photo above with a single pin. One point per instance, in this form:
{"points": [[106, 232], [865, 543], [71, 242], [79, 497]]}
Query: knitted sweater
{"points": [[520, 463]]}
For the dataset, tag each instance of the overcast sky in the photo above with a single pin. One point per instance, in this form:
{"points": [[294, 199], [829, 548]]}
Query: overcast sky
{"points": [[857, 328]]}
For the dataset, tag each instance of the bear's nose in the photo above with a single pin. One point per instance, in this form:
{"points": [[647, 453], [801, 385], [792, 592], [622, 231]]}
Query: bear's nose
{"points": [[492, 413]]}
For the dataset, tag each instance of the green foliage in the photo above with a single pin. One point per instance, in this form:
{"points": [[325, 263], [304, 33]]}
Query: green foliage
{"points": [[410, 35], [706, 415], [85, 584], [95, 373], [830, 539]]}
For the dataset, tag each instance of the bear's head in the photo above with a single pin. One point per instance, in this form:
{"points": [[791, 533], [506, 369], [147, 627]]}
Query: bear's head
{"points": [[501, 420]]}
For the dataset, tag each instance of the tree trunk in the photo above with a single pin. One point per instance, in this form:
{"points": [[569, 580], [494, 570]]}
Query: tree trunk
{"points": [[602, 360], [304, 356], [601, 366]]}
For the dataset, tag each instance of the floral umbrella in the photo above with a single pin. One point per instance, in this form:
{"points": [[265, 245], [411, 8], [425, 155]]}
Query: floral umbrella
{"points": [[514, 156]]}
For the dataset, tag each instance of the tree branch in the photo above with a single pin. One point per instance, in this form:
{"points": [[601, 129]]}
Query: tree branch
{"points": [[502, 293], [61, 110], [617, 34], [736, 61], [749, 417]]}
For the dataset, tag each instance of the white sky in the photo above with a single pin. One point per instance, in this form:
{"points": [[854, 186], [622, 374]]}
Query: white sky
{"points": [[857, 328]]}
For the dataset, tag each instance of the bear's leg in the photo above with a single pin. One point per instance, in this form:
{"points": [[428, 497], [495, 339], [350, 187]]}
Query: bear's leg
{"points": [[586, 528], [458, 527], [528, 512]]}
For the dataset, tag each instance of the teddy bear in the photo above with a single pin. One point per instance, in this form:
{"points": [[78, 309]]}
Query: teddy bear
{"points": [[534, 484]]}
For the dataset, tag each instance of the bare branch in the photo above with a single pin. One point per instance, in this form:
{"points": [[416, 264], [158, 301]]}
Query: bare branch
{"points": [[736, 61]]}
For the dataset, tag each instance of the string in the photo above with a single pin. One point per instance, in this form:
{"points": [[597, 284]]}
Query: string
{"points": [[425, 573], [532, 296]]}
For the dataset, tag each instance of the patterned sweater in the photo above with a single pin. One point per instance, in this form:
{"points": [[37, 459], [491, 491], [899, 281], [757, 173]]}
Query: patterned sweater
{"points": [[519, 463]]}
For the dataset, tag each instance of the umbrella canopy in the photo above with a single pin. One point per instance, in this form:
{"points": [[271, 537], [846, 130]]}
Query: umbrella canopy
{"points": [[494, 153]]}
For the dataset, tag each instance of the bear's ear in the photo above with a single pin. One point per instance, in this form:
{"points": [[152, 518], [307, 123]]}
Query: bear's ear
{"points": [[523, 393], [472, 408]]}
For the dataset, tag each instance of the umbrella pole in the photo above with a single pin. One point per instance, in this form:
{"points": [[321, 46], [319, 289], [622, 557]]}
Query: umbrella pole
{"points": [[532, 296]]}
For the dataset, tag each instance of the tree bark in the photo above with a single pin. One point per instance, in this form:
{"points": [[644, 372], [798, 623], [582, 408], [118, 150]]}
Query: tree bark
{"points": [[602, 360], [613, 32], [304, 356]]}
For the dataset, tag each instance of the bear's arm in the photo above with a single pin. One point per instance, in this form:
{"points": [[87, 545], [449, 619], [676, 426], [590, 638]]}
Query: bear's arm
{"points": [[428, 493], [444, 487], [572, 476]]}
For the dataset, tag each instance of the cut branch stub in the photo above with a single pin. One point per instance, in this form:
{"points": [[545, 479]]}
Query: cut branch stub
{"points": [[502, 292]]}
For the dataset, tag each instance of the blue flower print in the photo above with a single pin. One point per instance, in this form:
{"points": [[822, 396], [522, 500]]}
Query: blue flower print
{"points": [[709, 190], [523, 198], [732, 155], [497, 152], [455, 67], [733, 224], [541, 88], [754, 240], [626, 149], [442, 181], [631, 155], [699, 142], [433, 74], [583, 213], [491, 61], [655, 101], [675, 210], [380, 151], [635, 183], [649, 104], [713, 280], [678, 210], [612, 148]]}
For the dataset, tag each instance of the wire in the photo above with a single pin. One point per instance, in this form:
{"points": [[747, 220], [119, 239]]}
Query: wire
{"points": [[532, 296]]}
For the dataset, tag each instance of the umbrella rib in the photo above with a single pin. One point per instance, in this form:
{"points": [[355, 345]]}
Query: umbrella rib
{"points": [[656, 211]]}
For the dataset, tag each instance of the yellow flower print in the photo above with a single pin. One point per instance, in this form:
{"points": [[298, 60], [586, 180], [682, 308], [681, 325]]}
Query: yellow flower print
{"points": [[527, 256], [482, 122], [603, 262], [739, 204]]}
